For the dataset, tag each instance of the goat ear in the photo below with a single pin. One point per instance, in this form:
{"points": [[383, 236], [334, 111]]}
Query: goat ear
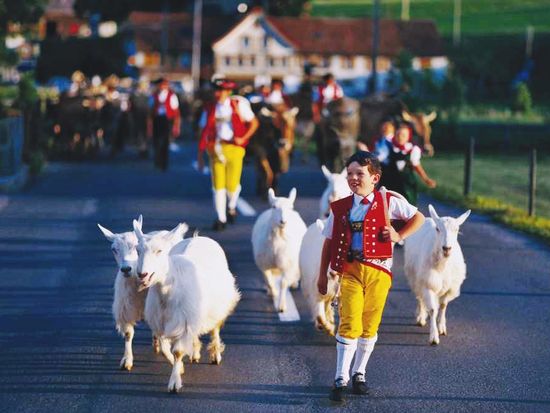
{"points": [[294, 111], [178, 232], [460, 220], [292, 195], [108, 234], [326, 172], [433, 214], [137, 230], [406, 116], [271, 196], [140, 221], [430, 117]]}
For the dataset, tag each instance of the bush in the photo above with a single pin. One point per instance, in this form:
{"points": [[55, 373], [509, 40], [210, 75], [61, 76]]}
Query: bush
{"points": [[522, 100]]}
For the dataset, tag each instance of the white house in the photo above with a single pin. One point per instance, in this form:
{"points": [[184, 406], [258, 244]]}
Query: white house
{"points": [[260, 47]]}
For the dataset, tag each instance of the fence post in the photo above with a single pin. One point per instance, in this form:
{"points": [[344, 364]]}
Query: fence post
{"points": [[532, 181], [468, 165]]}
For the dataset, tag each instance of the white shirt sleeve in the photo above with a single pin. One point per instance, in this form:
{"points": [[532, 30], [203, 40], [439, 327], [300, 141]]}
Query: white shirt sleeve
{"points": [[174, 102], [401, 209], [327, 230], [245, 110], [416, 154]]}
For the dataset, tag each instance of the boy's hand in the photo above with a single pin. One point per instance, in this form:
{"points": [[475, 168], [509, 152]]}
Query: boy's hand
{"points": [[322, 284], [390, 234], [430, 183]]}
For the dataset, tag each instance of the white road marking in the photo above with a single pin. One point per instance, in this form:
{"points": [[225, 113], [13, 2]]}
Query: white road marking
{"points": [[4, 201], [291, 313], [245, 208], [89, 208]]}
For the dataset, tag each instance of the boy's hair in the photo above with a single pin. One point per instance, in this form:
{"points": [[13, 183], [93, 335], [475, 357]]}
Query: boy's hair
{"points": [[368, 159]]}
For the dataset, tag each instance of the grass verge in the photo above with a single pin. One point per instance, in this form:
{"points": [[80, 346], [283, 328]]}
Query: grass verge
{"points": [[499, 189]]}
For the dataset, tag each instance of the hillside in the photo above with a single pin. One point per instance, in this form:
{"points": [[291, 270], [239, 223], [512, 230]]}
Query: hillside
{"points": [[478, 16]]}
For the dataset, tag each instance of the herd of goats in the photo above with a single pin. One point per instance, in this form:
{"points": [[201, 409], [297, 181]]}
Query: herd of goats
{"points": [[183, 287]]}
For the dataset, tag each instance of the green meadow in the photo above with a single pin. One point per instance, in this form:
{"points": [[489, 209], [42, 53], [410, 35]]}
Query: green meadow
{"points": [[478, 16]]}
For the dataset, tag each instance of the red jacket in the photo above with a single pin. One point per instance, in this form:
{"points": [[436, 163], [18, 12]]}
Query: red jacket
{"points": [[373, 223], [170, 113], [208, 135]]}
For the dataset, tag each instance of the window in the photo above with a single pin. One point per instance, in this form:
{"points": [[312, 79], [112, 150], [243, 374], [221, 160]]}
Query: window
{"points": [[252, 60], [347, 62], [271, 61], [240, 60], [246, 42], [227, 61], [284, 61], [266, 41]]}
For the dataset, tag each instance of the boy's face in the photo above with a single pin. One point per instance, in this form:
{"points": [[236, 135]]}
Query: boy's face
{"points": [[402, 136], [360, 181]]}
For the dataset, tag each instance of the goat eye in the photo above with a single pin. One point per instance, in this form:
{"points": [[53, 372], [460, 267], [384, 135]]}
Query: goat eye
{"points": [[158, 252], [437, 229], [114, 250]]}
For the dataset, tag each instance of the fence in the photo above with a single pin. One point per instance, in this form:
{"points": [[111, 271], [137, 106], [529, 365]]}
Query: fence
{"points": [[11, 145]]}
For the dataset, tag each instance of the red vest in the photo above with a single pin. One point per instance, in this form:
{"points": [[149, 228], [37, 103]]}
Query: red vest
{"points": [[336, 94], [373, 223], [208, 135], [170, 113]]}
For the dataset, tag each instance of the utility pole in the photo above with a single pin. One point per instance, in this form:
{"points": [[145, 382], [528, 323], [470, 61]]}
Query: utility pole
{"points": [[197, 45], [457, 16], [405, 10], [529, 42], [375, 36], [164, 36]]}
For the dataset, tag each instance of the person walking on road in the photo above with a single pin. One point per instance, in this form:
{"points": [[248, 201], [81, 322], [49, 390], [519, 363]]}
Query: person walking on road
{"points": [[166, 121], [358, 247], [228, 124], [401, 164]]}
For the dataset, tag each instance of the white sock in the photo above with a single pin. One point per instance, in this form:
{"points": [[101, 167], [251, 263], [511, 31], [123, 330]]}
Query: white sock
{"points": [[220, 203], [364, 350], [345, 349], [233, 198]]}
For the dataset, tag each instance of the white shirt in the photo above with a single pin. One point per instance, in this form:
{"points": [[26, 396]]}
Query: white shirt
{"points": [[397, 209], [162, 96], [224, 128], [275, 98], [332, 92]]}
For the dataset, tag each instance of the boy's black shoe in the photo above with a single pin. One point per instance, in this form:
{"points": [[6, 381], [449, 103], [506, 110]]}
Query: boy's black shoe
{"points": [[231, 216], [359, 384], [218, 225], [337, 391]]}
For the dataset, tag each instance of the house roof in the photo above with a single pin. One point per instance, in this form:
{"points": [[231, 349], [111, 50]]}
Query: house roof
{"points": [[354, 36], [147, 28]]}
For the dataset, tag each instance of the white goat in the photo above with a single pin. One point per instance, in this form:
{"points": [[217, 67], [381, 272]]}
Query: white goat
{"points": [[276, 238], [435, 269], [128, 302], [320, 306], [337, 188], [191, 292]]}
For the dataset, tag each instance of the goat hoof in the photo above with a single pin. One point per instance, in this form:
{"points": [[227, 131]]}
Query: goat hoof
{"points": [[434, 342], [174, 390], [125, 365], [216, 360], [195, 360]]}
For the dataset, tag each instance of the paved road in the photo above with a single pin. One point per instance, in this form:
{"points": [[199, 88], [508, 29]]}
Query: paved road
{"points": [[60, 353]]}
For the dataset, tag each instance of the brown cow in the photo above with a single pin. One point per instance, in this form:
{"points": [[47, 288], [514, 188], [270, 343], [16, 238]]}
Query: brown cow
{"points": [[374, 110]]}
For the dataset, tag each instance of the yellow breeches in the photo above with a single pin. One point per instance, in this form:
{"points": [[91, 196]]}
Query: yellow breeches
{"points": [[363, 294], [227, 175]]}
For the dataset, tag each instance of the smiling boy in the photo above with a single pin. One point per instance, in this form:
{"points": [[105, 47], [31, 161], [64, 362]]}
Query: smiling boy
{"points": [[359, 246]]}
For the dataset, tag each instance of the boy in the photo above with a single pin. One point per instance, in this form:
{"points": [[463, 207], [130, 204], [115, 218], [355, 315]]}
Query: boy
{"points": [[359, 246]]}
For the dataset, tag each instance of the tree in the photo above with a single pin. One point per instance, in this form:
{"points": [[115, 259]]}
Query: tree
{"points": [[286, 7], [522, 100]]}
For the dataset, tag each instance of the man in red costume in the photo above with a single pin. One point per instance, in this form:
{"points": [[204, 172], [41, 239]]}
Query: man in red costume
{"points": [[166, 121], [228, 124]]}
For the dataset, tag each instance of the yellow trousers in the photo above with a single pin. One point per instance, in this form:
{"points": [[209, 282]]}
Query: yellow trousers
{"points": [[227, 175], [363, 294]]}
